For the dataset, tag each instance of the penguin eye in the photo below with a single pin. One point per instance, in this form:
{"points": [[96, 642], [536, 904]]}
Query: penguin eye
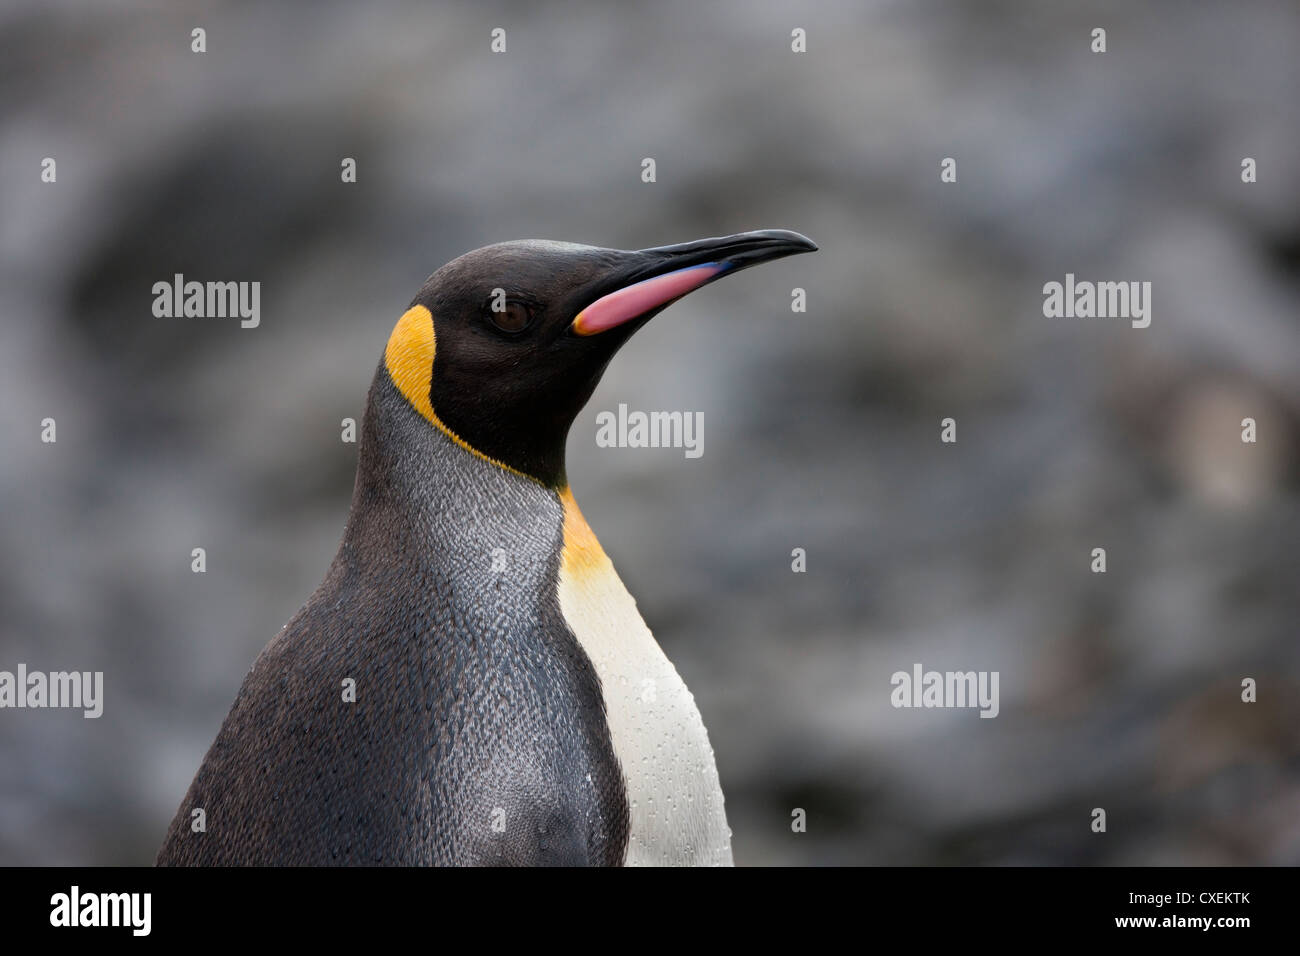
{"points": [[514, 317]]}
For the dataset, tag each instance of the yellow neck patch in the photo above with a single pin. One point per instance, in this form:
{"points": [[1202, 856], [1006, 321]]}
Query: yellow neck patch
{"points": [[409, 360], [583, 557]]}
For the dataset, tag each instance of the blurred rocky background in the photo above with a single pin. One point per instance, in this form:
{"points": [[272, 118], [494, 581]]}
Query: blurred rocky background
{"points": [[1118, 690]]}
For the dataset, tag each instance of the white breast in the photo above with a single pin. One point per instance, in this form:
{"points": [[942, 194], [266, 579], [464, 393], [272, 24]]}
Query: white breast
{"points": [[659, 738]]}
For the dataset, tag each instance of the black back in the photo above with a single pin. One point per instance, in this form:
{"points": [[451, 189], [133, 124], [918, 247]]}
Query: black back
{"points": [[478, 733]]}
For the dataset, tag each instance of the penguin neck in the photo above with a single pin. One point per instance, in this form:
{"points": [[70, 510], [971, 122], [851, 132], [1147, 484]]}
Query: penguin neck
{"points": [[424, 480]]}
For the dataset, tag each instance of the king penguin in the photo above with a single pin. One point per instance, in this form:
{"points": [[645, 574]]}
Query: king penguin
{"points": [[472, 684]]}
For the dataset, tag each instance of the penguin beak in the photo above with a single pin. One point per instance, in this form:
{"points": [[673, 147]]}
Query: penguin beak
{"points": [[653, 279]]}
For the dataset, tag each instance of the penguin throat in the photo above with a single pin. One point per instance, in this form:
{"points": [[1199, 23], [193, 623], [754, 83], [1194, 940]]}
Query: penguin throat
{"points": [[532, 449]]}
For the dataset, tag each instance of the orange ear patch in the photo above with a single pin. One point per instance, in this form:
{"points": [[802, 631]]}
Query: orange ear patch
{"points": [[409, 359]]}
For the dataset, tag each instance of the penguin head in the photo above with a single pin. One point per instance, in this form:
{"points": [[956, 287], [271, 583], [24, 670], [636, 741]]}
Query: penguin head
{"points": [[503, 346]]}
